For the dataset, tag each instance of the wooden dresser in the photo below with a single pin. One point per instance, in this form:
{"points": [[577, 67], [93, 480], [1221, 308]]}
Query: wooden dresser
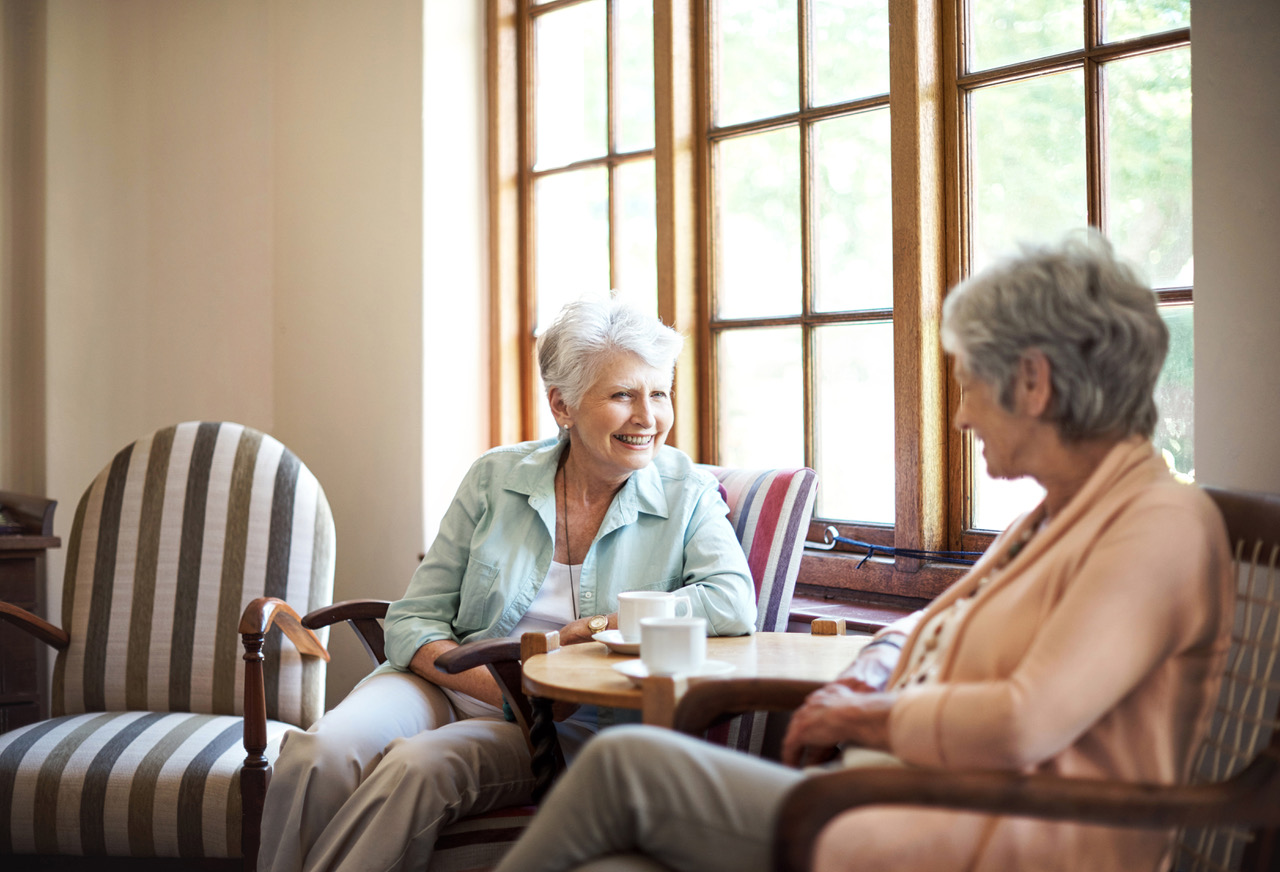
{"points": [[23, 694]]}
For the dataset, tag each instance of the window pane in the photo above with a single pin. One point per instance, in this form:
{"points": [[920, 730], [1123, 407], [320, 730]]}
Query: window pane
{"points": [[758, 51], [758, 266], [853, 429], [850, 50], [1008, 31], [854, 244], [572, 227], [1175, 392], [996, 502], [761, 398], [1028, 161], [1148, 123], [1124, 19], [636, 232], [571, 85], [633, 20]]}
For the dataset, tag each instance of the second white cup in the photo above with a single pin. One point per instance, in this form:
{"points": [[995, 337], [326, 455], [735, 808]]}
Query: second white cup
{"points": [[670, 646], [635, 605]]}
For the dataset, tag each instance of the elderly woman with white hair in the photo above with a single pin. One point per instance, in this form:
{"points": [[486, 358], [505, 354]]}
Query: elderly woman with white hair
{"points": [[540, 536], [1086, 643]]}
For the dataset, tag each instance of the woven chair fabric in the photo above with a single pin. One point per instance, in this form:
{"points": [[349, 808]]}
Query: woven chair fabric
{"points": [[169, 543], [138, 784]]}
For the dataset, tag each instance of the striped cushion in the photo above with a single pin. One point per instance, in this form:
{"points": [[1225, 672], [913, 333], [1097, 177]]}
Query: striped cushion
{"points": [[478, 843], [769, 510], [142, 784], [169, 544]]}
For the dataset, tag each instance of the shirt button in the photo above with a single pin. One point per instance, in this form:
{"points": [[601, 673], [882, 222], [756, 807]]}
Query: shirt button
{"points": [[586, 594]]}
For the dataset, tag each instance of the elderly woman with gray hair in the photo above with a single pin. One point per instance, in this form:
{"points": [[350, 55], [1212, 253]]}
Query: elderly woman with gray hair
{"points": [[1086, 643], [540, 536]]}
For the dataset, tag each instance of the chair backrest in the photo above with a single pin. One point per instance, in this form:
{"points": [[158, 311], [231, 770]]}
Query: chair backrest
{"points": [[169, 544], [769, 510], [1247, 718]]}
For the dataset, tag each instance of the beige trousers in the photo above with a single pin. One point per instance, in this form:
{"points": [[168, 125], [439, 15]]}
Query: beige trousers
{"points": [[371, 784]]}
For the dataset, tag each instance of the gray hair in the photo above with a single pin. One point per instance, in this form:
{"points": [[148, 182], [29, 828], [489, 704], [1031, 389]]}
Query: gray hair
{"points": [[573, 349], [1087, 312]]}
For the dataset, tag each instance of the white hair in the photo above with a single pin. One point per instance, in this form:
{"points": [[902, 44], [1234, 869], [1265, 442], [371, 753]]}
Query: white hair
{"points": [[587, 331], [1087, 312]]}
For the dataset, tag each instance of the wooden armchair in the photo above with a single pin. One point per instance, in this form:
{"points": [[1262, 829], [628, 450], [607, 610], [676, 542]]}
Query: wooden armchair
{"points": [[1228, 819]]}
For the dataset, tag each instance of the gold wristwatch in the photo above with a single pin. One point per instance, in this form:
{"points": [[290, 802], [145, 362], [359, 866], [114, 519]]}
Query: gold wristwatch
{"points": [[598, 624]]}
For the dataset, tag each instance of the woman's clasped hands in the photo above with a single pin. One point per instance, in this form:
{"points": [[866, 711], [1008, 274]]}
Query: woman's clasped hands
{"points": [[837, 714]]}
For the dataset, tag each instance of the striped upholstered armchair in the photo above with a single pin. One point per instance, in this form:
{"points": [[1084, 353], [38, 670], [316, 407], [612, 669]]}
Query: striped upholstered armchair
{"points": [[185, 533]]}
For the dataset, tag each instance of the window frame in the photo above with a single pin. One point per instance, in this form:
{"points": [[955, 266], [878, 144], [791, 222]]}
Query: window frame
{"points": [[929, 135]]}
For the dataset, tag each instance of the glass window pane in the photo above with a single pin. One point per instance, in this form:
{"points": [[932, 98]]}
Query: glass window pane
{"points": [[572, 227], [1007, 31], [850, 50], [1028, 160], [853, 266], [571, 96], [758, 265], [1148, 123], [1125, 19], [1175, 394], [758, 50], [637, 234], [853, 426], [633, 21], [760, 409]]}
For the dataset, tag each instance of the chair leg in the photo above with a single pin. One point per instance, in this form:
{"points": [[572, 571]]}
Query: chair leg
{"points": [[253, 792]]}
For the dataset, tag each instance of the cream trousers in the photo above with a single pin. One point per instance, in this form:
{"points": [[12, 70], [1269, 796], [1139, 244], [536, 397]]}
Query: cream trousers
{"points": [[371, 784]]}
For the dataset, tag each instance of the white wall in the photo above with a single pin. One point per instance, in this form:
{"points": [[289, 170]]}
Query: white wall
{"points": [[1235, 83], [234, 231]]}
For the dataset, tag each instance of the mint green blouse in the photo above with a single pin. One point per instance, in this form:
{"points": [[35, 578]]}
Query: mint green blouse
{"points": [[667, 529]]}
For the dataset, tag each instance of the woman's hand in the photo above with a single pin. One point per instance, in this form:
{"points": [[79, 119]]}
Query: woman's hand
{"points": [[577, 631], [833, 715]]}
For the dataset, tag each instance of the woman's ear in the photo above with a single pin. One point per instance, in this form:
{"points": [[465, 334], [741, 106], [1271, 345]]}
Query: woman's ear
{"points": [[559, 408], [1035, 386]]}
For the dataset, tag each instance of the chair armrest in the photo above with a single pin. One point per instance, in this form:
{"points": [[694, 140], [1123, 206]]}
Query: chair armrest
{"points": [[1247, 799], [710, 702], [267, 611], [483, 653], [362, 616], [38, 627]]}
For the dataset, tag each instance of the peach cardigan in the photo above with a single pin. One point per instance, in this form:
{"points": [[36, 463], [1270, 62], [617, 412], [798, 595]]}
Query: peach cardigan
{"points": [[1094, 653]]}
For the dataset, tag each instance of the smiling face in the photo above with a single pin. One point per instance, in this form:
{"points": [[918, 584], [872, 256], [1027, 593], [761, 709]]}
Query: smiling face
{"points": [[1007, 436], [622, 420]]}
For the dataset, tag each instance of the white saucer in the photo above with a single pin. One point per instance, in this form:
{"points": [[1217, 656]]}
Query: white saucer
{"points": [[617, 644], [637, 671]]}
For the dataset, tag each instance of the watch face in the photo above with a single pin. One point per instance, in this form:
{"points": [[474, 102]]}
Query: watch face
{"points": [[598, 624]]}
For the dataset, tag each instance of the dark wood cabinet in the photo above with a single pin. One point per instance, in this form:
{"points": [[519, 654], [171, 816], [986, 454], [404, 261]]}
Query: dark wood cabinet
{"points": [[23, 695]]}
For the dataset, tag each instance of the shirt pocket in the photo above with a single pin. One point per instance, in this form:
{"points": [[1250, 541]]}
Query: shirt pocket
{"points": [[476, 609]]}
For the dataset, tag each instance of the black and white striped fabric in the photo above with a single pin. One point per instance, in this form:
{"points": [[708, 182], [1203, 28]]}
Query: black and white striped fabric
{"points": [[169, 544]]}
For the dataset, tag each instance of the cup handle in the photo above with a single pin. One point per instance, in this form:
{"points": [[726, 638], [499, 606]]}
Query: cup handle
{"points": [[683, 600]]}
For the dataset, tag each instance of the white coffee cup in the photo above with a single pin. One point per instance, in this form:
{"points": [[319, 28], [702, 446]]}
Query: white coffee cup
{"points": [[635, 605], [670, 646]]}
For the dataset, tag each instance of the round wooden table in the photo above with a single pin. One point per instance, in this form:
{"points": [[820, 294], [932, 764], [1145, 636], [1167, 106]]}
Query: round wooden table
{"points": [[585, 674]]}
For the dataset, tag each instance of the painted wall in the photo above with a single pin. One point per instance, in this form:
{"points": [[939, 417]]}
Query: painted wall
{"points": [[1235, 77], [229, 202]]}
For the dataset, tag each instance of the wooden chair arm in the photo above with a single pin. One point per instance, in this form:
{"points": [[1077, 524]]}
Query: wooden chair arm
{"points": [[1248, 799], [483, 653], [267, 611], [43, 630], [362, 616], [710, 702]]}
